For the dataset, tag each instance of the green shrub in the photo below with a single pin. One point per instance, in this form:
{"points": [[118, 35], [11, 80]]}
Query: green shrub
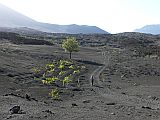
{"points": [[54, 72]]}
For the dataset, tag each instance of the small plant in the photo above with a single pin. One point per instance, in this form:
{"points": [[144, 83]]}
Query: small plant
{"points": [[66, 80], [54, 93], [49, 80], [64, 62], [61, 66], [50, 67], [36, 70], [62, 72], [71, 67], [76, 71]]}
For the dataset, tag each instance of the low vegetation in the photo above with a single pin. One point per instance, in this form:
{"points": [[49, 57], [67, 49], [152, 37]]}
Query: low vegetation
{"points": [[59, 73]]}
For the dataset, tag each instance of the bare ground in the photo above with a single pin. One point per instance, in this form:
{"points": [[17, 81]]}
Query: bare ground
{"points": [[119, 91]]}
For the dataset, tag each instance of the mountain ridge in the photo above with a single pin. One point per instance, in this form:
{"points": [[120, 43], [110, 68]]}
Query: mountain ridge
{"points": [[152, 29], [12, 19]]}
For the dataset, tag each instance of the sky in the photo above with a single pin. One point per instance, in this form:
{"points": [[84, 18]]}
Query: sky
{"points": [[114, 16]]}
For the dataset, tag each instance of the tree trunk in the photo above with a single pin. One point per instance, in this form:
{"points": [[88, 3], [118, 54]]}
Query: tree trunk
{"points": [[70, 55]]}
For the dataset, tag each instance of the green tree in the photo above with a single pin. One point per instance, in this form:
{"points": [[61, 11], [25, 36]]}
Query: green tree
{"points": [[70, 45]]}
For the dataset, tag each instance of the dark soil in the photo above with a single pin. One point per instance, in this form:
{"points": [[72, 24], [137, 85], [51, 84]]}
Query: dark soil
{"points": [[125, 86]]}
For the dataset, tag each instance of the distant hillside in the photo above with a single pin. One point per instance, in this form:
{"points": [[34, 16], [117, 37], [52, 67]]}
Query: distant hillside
{"points": [[12, 19], [15, 38], [152, 29], [23, 31]]}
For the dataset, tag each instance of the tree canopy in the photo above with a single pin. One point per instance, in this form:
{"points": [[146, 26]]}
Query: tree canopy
{"points": [[70, 45]]}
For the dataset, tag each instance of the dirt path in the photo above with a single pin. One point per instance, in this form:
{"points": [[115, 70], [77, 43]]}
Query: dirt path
{"points": [[121, 98]]}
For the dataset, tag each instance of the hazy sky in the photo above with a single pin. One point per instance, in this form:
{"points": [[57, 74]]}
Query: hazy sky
{"points": [[111, 15]]}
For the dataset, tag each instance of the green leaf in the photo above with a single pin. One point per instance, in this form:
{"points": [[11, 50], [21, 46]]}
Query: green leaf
{"points": [[76, 71], [54, 93], [71, 67], [61, 66], [66, 80], [62, 72]]}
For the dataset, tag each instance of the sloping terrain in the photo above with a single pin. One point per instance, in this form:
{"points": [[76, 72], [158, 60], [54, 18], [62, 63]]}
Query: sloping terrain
{"points": [[152, 29], [17, 39], [12, 19], [125, 70]]}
